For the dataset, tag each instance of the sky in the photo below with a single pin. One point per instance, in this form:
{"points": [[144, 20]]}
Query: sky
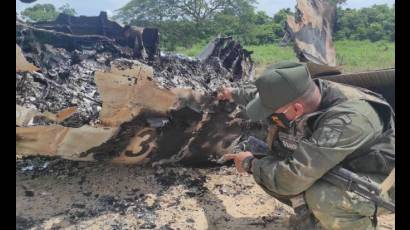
{"points": [[93, 7]]}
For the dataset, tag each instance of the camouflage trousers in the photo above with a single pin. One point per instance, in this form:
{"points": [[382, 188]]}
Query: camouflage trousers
{"points": [[338, 209]]}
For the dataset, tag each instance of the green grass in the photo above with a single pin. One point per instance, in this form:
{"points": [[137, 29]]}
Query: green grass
{"points": [[353, 56], [193, 51], [267, 54], [364, 55]]}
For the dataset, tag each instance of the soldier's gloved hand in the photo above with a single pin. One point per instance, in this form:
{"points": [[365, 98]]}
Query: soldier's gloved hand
{"points": [[238, 159], [224, 94]]}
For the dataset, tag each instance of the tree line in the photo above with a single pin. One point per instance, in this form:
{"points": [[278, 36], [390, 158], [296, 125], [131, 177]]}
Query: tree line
{"points": [[46, 12], [186, 22]]}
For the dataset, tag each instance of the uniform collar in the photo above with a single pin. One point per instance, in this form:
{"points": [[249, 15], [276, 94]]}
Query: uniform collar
{"points": [[329, 99]]}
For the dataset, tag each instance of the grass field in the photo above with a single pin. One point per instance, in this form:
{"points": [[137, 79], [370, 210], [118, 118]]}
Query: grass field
{"points": [[353, 56], [365, 55]]}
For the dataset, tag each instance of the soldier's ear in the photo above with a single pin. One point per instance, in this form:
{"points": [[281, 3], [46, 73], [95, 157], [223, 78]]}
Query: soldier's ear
{"points": [[299, 109]]}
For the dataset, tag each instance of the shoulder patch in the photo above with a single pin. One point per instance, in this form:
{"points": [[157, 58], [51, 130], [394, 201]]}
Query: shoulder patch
{"points": [[329, 136], [346, 119]]}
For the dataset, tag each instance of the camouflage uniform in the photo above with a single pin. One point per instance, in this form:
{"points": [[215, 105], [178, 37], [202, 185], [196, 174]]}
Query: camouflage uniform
{"points": [[353, 127]]}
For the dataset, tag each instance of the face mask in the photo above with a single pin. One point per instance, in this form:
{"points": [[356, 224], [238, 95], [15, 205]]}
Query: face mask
{"points": [[282, 118]]}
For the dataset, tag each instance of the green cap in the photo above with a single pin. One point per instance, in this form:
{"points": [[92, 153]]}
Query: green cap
{"points": [[277, 86]]}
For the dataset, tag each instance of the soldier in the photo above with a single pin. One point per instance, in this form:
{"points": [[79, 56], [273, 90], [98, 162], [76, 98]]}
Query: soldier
{"points": [[318, 125]]}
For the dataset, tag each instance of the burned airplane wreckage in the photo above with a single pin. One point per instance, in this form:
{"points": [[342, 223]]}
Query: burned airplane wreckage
{"points": [[88, 89]]}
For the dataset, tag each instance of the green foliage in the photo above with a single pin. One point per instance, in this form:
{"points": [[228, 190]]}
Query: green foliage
{"points": [[250, 27], [266, 54], [147, 12], [365, 55], [373, 23], [181, 22], [281, 16], [40, 12], [186, 22], [192, 51], [236, 21], [46, 12], [337, 2], [353, 56]]}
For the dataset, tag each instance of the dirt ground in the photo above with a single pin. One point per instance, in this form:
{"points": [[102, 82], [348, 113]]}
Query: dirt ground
{"points": [[59, 194]]}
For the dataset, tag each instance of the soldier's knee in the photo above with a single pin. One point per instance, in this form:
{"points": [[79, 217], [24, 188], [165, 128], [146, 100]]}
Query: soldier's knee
{"points": [[334, 209], [321, 197]]}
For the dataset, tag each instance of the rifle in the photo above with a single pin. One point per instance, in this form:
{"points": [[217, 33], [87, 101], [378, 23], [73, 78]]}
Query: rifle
{"points": [[338, 176]]}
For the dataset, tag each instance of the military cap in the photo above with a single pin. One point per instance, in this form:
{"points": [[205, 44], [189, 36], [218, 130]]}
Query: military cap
{"points": [[277, 86]]}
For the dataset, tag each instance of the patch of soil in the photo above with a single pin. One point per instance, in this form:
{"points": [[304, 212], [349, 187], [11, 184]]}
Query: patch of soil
{"points": [[79, 195]]}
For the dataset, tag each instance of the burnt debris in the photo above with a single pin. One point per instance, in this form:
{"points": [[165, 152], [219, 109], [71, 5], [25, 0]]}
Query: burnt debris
{"points": [[89, 89], [115, 76], [70, 49]]}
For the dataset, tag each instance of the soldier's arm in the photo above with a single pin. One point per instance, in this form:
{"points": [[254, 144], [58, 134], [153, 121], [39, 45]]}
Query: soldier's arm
{"points": [[335, 138], [244, 94]]}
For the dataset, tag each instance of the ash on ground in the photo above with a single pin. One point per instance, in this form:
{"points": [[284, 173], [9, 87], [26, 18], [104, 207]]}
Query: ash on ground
{"points": [[55, 193]]}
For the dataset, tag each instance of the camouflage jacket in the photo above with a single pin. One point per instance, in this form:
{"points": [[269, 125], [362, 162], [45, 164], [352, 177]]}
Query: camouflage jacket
{"points": [[353, 127]]}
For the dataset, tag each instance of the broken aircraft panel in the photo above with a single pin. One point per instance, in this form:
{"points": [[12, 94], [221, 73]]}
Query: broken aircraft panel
{"points": [[195, 136], [22, 65], [126, 90], [60, 141], [26, 116], [311, 31], [232, 56], [144, 42]]}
